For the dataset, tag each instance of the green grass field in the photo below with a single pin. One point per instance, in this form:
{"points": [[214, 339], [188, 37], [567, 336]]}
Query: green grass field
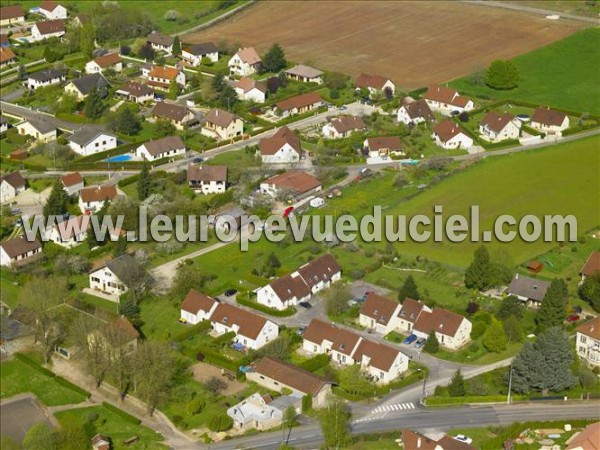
{"points": [[562, 74]]}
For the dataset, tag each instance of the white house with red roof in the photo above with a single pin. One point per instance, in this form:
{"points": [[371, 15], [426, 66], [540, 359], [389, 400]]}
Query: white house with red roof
{"points": [[588, 342], [495, 127], [251, 330], [591, 266], [549, 121], [72, 183], [451, 330], [446, 100], [52, 10], [451, 136], [197, 307], [281, 148], [245, 62], [251, 90], [375, 84], [379, 313], [70, 232]]}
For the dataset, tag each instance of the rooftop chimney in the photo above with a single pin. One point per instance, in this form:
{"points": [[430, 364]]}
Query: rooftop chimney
{"points": [[418, 442]]}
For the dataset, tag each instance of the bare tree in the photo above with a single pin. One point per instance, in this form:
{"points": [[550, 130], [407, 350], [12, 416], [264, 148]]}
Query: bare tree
{"points": [[215, 385], [153, 369], [94, 354]]}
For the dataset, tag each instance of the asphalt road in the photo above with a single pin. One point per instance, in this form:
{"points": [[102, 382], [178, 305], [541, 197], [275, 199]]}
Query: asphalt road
{"points": [[537, 11]]}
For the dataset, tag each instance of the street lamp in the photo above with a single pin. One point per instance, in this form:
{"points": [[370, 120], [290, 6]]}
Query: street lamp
{"points": [[509, 385]]}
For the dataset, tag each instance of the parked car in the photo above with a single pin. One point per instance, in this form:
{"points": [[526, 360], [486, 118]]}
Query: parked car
{"points": [[182, 320], [197, 160], [352, 302], [230, 292], [410, 339], [305, 305], [300, 331], [573, 318], [420, 342], [463, 438]]}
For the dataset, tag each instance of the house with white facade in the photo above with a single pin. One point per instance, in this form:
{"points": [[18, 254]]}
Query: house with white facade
{"points": [[414, 112], [293, 184], [587, 342], [11, 185], [11, 14], [261, 412], [81, 87], [245, 62], [379, 313], [72, 183], [496, 127], [375, 84], [299, 104], [447, 100], [207, 179], [45, 78], [92, 199], [88, 141], [549, 121], [591, 266], [47, 29], [529, 290], [113, 278], [197, 307], [167, 147], [7, 57], [305, 74], [69, 232], [383, 146], [452, 330], [284, 292], [408, 315], [19, 251], [250, 90], [160, 42], [221, 125], [450, 136], [52, 10], [135, 92], [343, 126], [281, 148], [100, 63], [40, 129], [161, 77], [251, 330], [321, 272], [194, 54], [180, 116]]}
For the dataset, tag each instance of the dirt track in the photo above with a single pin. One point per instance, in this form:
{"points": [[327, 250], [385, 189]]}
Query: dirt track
{"points": [[414, 43]]}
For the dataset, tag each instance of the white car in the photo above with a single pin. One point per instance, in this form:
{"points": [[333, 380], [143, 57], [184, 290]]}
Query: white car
{"points": [[463, 438]]}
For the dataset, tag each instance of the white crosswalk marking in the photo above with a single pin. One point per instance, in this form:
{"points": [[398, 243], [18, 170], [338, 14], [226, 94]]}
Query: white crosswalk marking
{"points": [[394, 407]]}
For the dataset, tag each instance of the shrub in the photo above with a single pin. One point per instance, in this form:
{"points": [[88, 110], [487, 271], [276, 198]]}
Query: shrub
{"points": [[476, 387], [587, 378], [220, 422], [478, 330], [195, 406]]}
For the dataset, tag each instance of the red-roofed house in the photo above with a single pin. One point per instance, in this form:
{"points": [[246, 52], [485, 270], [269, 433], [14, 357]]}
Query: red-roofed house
{"points": [[19, 250], [446, 100], [299, 104], [549, 121], [245, 62], [294, 184], [252, 331], [47, 29], [197, 307], [52, 10], [452, 330], [100, 63], [375, 84], [591, 266], [379, 314], [161, 77], [496, 127], [282, 147], [11, 14], [72, 183], [588, 342], [409, 313], [251, 90], [220, 124], [343, 126], [449, 135], [92, 199]]}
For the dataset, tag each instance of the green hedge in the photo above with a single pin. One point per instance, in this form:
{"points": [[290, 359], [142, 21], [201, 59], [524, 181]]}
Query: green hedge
{"points": [[577, 129], [445, 400], [129, 180], [262, 308], [60, 380], [529, 130], [224, 338], [191, 331], [34, 365], [315, 363], [214, 357], [122, 414]]}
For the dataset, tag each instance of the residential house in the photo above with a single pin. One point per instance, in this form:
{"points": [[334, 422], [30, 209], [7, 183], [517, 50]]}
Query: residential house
{"points": [[45, 78], [118, 275], [47, 29], [19, 250], [92, 199], [549, 121], [251, 330], [69, 232], [449, 135], [180, 116], [4, 41], [260, 412], [40, 129], [80, 20], [305, 74], [89, 140], [207, 179], [245, 62], [415, 112], [379, 314], [100, 63], [11, 14], [408, 315], [295, 184], [321, 272], [412, 440], [277, 375], [136, 92], [382, 363], [528, 290], [591, 266], [451, 330], [72, 183], [160, 42], [588, 342], [161, 77], [197, 307], [7, 57], [282, 147], [587, 439], [343, 126], [194, 54], [498, 127], [375, 84], [221, 125], [446, 100], [116, 338], [250, 90], [284, 292], [383, 146], [167, 147], [100, 442], [52, 10], [81, 87], [299, 104], [3, 125], [11, 185]]}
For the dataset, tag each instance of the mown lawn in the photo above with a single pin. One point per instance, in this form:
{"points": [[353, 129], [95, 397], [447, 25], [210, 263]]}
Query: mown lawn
{"points": [[561, 74]]}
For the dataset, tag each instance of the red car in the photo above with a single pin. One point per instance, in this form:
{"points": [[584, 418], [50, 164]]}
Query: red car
{"points": [[288, 211], [573, 318]]}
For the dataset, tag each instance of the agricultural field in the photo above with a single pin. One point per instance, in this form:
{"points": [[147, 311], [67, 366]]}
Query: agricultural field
{"points": [[414, 43], [567, 81]]}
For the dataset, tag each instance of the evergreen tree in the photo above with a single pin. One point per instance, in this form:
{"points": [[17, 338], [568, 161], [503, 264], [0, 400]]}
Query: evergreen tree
{"points": [[144, 183], [126, 122], [409, 290], [173, 90], [228, 97], [120, 247], [94, 107], [589, 291], [457, 387], [22, 72], [544, 366], [432, 345], [218, 82], [494, 338], [477, 275], [272, 265], [87, 36], [58, 201], [513, 329], [510, 306], [176, 46], [553, 310], [274, 60]]}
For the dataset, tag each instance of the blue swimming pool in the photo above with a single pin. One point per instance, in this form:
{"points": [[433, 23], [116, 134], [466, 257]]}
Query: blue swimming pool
{"points": [[119, 158]]}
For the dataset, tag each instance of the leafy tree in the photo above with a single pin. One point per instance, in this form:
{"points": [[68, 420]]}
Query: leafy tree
{"points": [[335, 423], [228, 97], [478, 329], [120, 247], [40, 437], [457, 387], [218, 82], [126, 122], [146, 52], [220, 422], [272, 265], [388, 93], [477, 275], [164, 127], [589, 291], [125, 50], [336, 299], [94, 107], [71, 435], [335, 80], [154, 369], [553, 310], [215, 385], [8, 443], [173, 90], [510, 306], [472, 308], [50, 55], [409, 290], [188, 277], [502, 75], [87, 36], [432, 345], [58, 201], [274, 60], [195, 405], [513, 329], [544, 366], [144, 186], [21, 72], [176, 46], [494, 338]]}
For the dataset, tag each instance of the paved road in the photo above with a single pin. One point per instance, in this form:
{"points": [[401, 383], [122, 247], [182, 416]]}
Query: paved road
{"points": [[538, 11], [26, 113]]}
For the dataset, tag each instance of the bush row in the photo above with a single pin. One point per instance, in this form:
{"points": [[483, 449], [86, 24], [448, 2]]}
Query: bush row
{"points": [[262, 308], [195, 329], [122, 414]]}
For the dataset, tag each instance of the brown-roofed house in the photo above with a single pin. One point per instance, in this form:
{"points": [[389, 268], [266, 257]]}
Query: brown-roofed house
{"points": [[118, 337], [447, 100], [305, 74], [587, 439], [293, 183], [11, 14], [549, 121], [251, 90], [379, 313], [207, 179], [220, 125], [11, 185], [450, 135], [285, 292], [47, 29], [7, 56], [375, 84], [527, 289], [321, 272], [136, 92], [412, 440], [245, 62], [92, 199], [282, 147], [415, 112], [591, 266], [180, 116], [167, 147], [299, 104], [19, 250], [495, 127], [72, 182], [100, 63], [343, 126], [161, 77], [383, 363], [197, 307], [52, 10], [588, 342], [383, 146], [276, 375], [161, 42], [452, 330], [251, 330]]}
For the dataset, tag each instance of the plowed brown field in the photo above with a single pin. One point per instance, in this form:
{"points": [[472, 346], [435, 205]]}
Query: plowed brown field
{"points": [[414, 43]]}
